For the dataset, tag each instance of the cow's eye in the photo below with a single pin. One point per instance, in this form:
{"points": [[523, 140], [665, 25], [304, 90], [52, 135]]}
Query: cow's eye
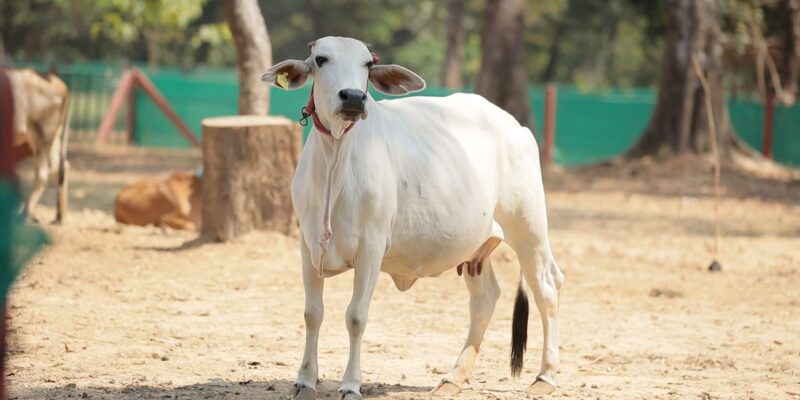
{"points": [[370, 64], [320, 60]]}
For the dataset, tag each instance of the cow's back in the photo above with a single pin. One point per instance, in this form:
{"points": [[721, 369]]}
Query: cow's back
{"points": [[40, 103]]}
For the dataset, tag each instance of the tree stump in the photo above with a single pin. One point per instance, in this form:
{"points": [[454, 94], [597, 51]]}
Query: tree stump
{"points": [[248, 162]]}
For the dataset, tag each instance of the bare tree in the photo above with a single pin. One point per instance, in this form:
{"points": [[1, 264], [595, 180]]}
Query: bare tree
{"points": [[452, 71], [153, 50], [554, 53], [789, 70], [502, 78], [253, 53], [679, 123]]}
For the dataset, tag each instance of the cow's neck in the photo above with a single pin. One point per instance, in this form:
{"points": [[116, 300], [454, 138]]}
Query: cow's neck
{"points": [[334, 152]]}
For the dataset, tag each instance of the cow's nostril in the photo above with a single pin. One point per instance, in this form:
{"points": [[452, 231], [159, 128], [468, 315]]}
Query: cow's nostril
{"points": [[363, 97], [343, 95]]}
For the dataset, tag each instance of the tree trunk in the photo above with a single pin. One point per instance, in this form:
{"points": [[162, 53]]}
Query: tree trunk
{"points": [[502, 78], [253, 54], [152, 40], [790, 67], [8, 28], [312, 8], [679, 123], [554, 53], [248, 164], [452, 72]]}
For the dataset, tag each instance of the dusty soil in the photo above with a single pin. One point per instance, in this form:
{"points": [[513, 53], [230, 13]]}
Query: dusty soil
{"points": [[111, 311]]}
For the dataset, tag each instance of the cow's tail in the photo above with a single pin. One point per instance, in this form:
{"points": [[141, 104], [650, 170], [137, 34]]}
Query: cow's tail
{"points": [[64, 139], [519, 329]]}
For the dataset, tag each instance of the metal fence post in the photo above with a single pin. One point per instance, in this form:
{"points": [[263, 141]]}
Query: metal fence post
{"points": [[769, 108]]}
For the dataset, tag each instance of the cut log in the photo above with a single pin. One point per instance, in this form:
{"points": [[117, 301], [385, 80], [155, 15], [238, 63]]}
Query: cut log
{"points": [[248, 162]]}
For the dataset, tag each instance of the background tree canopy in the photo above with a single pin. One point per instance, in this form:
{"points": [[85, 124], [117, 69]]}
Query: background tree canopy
{"points": [[592, 44]]}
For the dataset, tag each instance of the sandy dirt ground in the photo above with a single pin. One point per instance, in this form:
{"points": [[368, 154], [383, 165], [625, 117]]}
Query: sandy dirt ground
{"points": [[117, 312]]}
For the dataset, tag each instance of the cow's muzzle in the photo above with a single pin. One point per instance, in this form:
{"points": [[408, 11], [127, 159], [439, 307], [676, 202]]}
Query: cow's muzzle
{"points": [[353, 102]]}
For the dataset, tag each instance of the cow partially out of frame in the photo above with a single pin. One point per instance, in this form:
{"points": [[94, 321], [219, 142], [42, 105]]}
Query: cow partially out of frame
{"points": [[414, 187], [41, 119]]}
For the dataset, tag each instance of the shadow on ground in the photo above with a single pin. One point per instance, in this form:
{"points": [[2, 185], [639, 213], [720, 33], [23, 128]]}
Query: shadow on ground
{"points": [[213, 389], [677, 177]]}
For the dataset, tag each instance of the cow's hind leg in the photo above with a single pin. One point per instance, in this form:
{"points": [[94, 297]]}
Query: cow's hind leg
{"points": [[483, 294], [42, 170], [306, 384], [526, 232], [63, 191], [545, 279]]}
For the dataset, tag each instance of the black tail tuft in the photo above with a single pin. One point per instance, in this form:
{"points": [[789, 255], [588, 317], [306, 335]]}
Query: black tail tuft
{"points": [[519, 331]]}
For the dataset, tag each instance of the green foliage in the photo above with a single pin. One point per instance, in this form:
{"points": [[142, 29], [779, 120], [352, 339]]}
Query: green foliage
{"points": [[125, 20], [46, 30], [157, 21], [179, 30], [594, 44], [405, 32], [217, 42]]}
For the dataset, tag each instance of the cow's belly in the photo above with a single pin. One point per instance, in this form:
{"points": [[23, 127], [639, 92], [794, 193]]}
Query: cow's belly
{"points": [[439, 238], [430, 257], [445, 241], [430, 232]]}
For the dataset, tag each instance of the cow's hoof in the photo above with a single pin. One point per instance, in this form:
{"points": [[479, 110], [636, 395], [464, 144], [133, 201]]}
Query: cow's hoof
{"points": [[446, 389], [542, 386], [303, 393], [348, 394]]}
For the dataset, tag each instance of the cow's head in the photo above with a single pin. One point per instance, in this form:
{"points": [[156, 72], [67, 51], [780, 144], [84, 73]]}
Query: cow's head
{"points": [[341, 68]]}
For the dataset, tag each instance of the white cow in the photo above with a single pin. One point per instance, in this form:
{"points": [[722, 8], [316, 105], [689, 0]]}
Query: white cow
{"points": [[414, 187]]}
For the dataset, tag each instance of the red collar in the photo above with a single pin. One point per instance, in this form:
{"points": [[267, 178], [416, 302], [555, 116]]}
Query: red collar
{"points": [[311, 110]]}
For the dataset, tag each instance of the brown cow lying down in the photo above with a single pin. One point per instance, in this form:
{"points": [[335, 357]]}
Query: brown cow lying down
{"points": [[175, 202]]}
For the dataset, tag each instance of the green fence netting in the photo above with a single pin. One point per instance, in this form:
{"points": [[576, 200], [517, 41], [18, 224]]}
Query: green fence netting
{"points": [[18, 240], [91, 87], [747, 117], [590, 126]]}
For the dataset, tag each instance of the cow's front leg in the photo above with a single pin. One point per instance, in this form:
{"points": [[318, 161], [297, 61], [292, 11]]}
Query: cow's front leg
{"points": [[305, 387], [367, 269]]}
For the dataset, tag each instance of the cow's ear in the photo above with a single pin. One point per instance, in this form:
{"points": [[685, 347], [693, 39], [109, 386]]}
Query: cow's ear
{"points": [[394, 79], [289, 74]]}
